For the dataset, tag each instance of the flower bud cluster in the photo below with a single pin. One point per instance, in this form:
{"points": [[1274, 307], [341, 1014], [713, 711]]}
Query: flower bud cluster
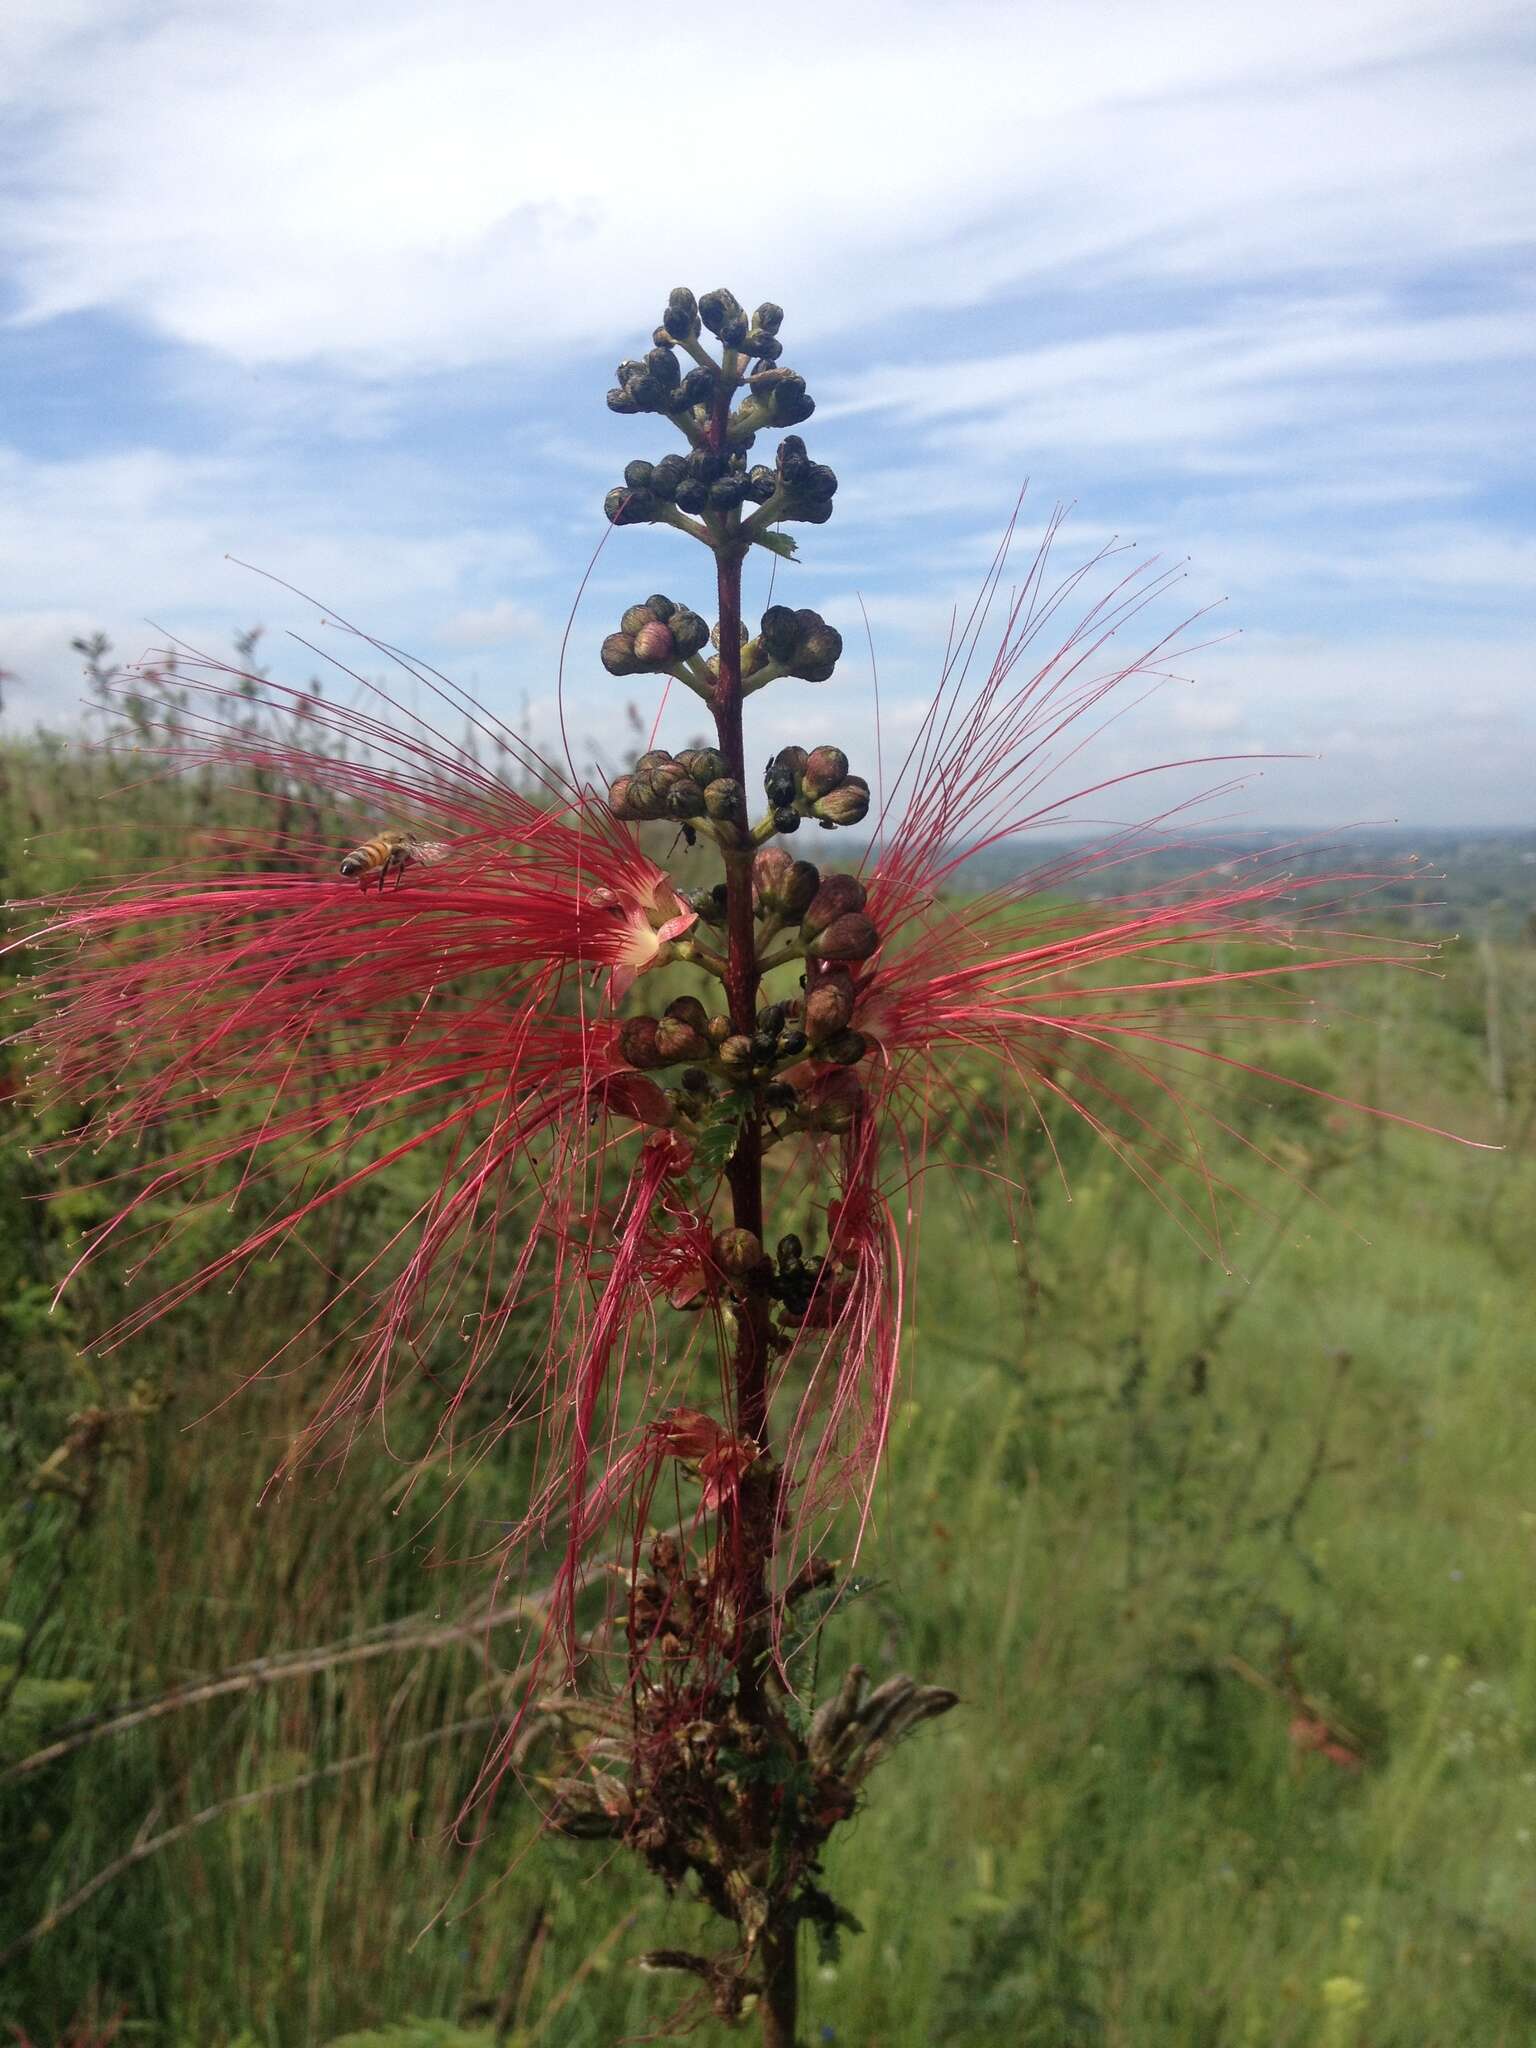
{"points": [[814, 785], [798, 1282], [715, 477], [802, 489], [686, 786], [652, 637], [799, 643]]}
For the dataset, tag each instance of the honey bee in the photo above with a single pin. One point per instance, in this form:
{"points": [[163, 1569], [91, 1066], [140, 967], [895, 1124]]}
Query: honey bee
{"points": [[390, 853]]}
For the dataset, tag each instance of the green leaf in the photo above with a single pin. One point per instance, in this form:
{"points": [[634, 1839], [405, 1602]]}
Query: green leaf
{"points": [[782, 544]]}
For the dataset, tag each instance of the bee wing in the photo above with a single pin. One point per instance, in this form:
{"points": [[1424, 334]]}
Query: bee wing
{"points": [[430, 851]]}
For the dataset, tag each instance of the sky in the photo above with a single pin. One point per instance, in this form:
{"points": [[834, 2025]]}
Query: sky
{"points": [[337, 292]]}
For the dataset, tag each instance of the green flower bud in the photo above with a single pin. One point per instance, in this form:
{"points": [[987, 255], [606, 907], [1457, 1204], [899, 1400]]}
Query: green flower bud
{"points": [[851, 937], [837, 895], [765, 1049], [702, 903], [658, 757], [688, 1010], [825, 768], [846, 804], [818, 653], [718, 307], [637, 1042], [660, 607], [769, 317], [727, 494], [689, 633], [638, 474], [786, 820], [734, 332], [767, 348], [782, 1097], [792, 1044], [618, 795], [714, 635], [717, 1031], [661, 339], [725, 801], [654, 645], [819, 482], [706, 465], [666, 475], [619, 400], [771, 1018], [761, 486], [704, 764], [685, 800], [690, 495], [635, 617]]}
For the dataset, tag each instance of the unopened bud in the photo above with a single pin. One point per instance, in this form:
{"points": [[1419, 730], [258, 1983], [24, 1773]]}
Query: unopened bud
{"points": [[825, 768], [727, 494], [780, 630], [681, 318], [851, 937], [654, 645], [678, 1038], [781, 778], [837, 895], [770, 875], [786, 820], [667, 475], [618, 655], [660, 607], [699, 386], [690, 495], [638, 1042], [618, 795], [625, 507], [767, 348], [685, 800], [846, 804], [761, 484], [663, 367], [717, 1031], [793, 1043], [638, 475], [657, 757], [636, 618], [620, 401], [688, 1010], [828, 1006], [738, 1252], [725, 801], [845, 1048], [718, 308], [689, 632], [735, 1056], [792, 461], [782, 1096], [704, 764], [714, 635]]}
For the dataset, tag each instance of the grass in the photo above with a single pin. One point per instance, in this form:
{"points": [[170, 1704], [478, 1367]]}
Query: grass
{"points": [[1144, 1515]]}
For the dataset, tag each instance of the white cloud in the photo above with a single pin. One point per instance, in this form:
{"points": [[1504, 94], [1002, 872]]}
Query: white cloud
{"points": [[493, 625], [393, 188]]}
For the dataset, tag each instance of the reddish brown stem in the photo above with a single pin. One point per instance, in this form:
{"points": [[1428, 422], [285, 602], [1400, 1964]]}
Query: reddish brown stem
{"points": [[756, 1516]]}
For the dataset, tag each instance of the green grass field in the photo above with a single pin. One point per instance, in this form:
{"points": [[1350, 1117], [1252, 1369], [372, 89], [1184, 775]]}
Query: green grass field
{"points": [[1233, 1573]]}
